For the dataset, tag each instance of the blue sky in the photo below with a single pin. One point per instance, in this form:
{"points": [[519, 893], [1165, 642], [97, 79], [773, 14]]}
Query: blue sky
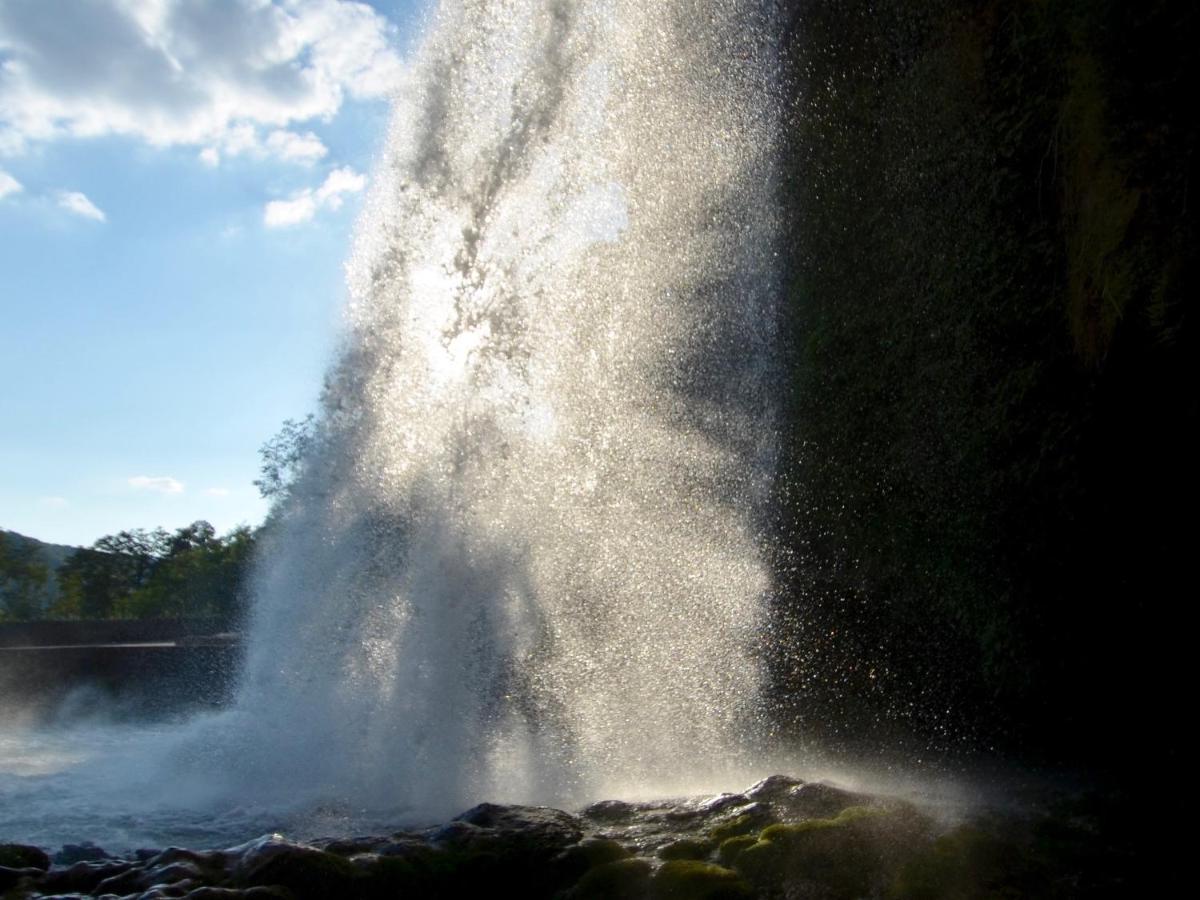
{"points": [[179, 181]]}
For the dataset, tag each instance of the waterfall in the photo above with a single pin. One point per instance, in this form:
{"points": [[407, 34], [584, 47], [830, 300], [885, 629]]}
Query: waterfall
{"points": [[524, 560]]}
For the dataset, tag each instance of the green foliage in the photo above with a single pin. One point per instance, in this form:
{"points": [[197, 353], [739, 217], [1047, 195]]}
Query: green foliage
{"points": [[155, 574], [284, 457], [23, 580]]}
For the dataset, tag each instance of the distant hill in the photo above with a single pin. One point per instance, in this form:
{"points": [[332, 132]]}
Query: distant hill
{"points": [[50, 555]]}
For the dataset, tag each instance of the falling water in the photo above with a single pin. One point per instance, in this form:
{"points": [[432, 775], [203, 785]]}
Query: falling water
{"points": [[523, 561]]}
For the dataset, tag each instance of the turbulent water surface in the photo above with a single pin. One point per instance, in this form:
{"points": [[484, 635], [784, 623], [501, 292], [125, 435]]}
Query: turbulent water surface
{"points": [[524, 560]]}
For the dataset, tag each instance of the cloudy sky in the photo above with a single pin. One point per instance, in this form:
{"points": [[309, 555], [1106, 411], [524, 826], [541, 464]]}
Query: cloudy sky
{"points": [[178, 186]]}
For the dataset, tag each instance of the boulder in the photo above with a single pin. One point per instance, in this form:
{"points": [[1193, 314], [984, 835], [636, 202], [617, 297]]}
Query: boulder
{"points": [[23, 856]]}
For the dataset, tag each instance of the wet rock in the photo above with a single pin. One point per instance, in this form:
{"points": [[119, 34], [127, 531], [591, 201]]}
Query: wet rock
{"points": [[818, 800], [212, 860], [85, 852], [540, 821], [721, 802], [305, 871], [353, 846], [23, 856], [773, 787], [610, 811], [224, 893], [404, 846], [527, 835], [453, 834], [169, 891], [131, 881], [82, 877], [11, 877]]}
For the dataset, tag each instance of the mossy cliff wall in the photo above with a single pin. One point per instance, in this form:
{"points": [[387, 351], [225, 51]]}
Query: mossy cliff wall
{"points": [[992, 249]]}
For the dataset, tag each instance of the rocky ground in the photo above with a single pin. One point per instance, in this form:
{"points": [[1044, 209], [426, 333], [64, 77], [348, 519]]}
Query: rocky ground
{"points": [[781, 838]]}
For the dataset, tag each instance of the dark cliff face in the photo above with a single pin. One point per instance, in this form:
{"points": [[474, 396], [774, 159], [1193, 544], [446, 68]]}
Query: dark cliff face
{"points": [[993, 245]]}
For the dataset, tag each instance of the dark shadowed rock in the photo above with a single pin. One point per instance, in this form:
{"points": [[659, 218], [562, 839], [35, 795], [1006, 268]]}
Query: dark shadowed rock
{"points": [[353, 846], [609, 811], [817, 800], [73, 853], [10, 878], [82, 877], [305, 871], [23, 856], [221, 893], [531, 832]]}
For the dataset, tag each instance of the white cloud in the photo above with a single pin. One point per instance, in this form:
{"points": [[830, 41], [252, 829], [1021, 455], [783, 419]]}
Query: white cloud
{"points": [[210, 156], [77, 203], [340, 181], [303, 148], [170, 72], [284, 213], [303, 205], [159, 484], [8, 185], [55, 502], [217, 492]]}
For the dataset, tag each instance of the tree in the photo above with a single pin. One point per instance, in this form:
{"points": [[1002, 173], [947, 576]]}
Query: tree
{"points": [[197, 574], [23, 580], [284, 456]]}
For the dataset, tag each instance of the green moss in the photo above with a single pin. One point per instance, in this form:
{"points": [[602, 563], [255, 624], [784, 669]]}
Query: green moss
{"points": [[844, 856], [848, 816], [694, 880], [734, 828], [731, 847], [687, 848], [623, 879], [968, 863], [575, 861]]}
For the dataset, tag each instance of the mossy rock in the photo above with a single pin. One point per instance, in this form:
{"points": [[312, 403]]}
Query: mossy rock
{"points": [[687, 848], [571, 864], [22, 856], [846, 856], [598, 851], [970, 863], [622, 879], [731, 847], [742, 825], [689, 879]]}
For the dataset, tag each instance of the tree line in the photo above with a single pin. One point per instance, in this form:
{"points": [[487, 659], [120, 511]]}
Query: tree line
{"points": [[142, 573], [134, 574]]}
